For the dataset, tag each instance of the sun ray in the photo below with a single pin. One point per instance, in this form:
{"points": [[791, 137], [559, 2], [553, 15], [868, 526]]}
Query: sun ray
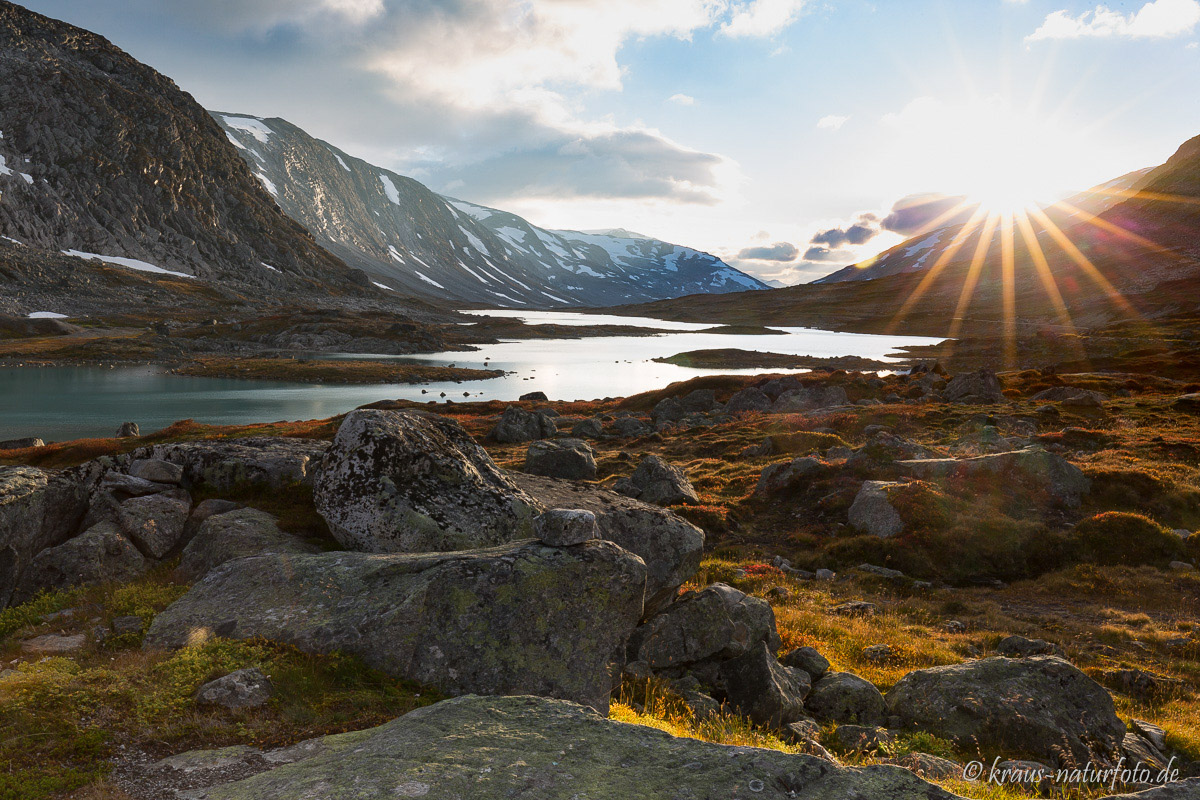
{"points": [[1082, 261], [1009, 290], [1042, 267], [960, 238], [972, 279], [1129, 194], [1117, 230]]}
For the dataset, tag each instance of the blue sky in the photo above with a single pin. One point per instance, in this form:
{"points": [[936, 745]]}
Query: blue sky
{"points": [[742, 127]]}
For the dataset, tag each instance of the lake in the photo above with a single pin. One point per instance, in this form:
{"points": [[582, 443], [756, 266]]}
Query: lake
{"points": [[58, 403]]}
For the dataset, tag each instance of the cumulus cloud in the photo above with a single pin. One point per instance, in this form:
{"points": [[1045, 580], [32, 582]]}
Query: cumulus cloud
{"points": [[912, 214], [779, 251], [762, 17], [1158, 19], [682, 99], [833, 122], [860, 232]]}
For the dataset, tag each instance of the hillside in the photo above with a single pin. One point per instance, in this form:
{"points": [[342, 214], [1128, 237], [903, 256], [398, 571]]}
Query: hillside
{"points": [[411, 240]]}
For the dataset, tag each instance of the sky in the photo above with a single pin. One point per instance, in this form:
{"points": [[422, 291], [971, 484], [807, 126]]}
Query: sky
{"points": [[789, 137]]}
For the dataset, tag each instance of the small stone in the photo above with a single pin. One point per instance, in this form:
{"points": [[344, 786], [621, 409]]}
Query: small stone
{"points": [[127, 625], [855, 608], [826, 574], [563, 527], [954, 626], [1182, 566], [877, 653], [51, 644], [1020, 647], [245, 688], [863, 738]]}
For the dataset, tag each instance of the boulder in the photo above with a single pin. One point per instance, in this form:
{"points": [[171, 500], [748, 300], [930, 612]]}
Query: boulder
{"points": [[155, 522], [716, 623], [699, 401], [405, 481], [670, 546], [980, 387], [588, 429], [493, 747], [99, 555], [846, 699], [748, 400], [243, 688], [1020, 647], [128, 430], [655, 481], [223, 464], [38, 509], [1040, 707], [807, 659], [153, 469], [21, 444], [572, 459], [518, 425], [784, 475], [522, 618], [630, 428], [534, 397], [53, 644], [1070, 396], [763, 690], [1033, 469], [667, 410], [203, 510], [872, 512], [564, 527], [242, 533], [928, 766], [1188, 403], [809, 398], [863, 738]]}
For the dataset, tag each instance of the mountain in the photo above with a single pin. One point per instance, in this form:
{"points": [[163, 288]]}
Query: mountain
{"points": [[927, 247], [103, 157], [414, 241], [1046, 278]]}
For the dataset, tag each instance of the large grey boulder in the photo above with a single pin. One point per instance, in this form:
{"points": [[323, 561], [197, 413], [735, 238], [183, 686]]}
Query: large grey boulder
{"points": [[223, 464], [1033, 469], [155, 522], [872, 512], [99, 555], [846, 699], [763, 690], [493, 747], [658, 482], [241, 533], [38, 509], [518, 425], [716, 623], [1041, 707], [670, 545], [974, 387], [784, 475], [573, 459], [410, 482], [748, 400], [522, 618]]}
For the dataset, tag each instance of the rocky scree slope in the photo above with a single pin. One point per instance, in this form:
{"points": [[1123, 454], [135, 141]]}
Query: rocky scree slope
{"points": [[411, 240], [101, 154]]}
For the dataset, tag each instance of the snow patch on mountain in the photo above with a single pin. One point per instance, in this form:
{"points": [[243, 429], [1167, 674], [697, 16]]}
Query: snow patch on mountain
{"points": [[128, 263], [251, 126]]}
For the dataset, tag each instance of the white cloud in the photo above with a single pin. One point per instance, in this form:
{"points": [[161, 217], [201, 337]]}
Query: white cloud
{"points": [[682, 99], [833, 122], [762, 17], [1159, 19]]}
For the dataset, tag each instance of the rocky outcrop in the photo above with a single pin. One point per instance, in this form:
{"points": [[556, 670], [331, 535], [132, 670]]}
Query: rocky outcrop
{"points": [[409, 482], [522, 618], [1033, 470], [224, 464], [99, 555], [486, 747], [980, 387], [670, 545], [572, 459], [518, 425], [1039, 707], [655, 481], [241, 533], [746, 401], [155, 522], [762, 689], [38, 509]]}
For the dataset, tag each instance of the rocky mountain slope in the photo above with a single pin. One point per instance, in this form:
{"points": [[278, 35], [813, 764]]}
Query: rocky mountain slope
{"points": [[414, 241], [106, 160], [925, 248]]}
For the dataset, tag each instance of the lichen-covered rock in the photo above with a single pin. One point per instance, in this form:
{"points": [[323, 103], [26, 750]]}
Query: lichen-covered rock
{"points": [[38, 509], [670, 545], [409, 482], [1040, 707], [630, 427], [243, 688], [716, 623], [588, 429], [99, 555], [655, 481], [784, 475], [518, 425], [155, 522], [808, 398], [872, 513], [565, 527], [226, 463], [492, 747], [748, 400], [979, 387], [572, 459], [808, 659], [763, 690], [845, 698], [153, 469], [521, 618], [1032, 470], [241, 533]]}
